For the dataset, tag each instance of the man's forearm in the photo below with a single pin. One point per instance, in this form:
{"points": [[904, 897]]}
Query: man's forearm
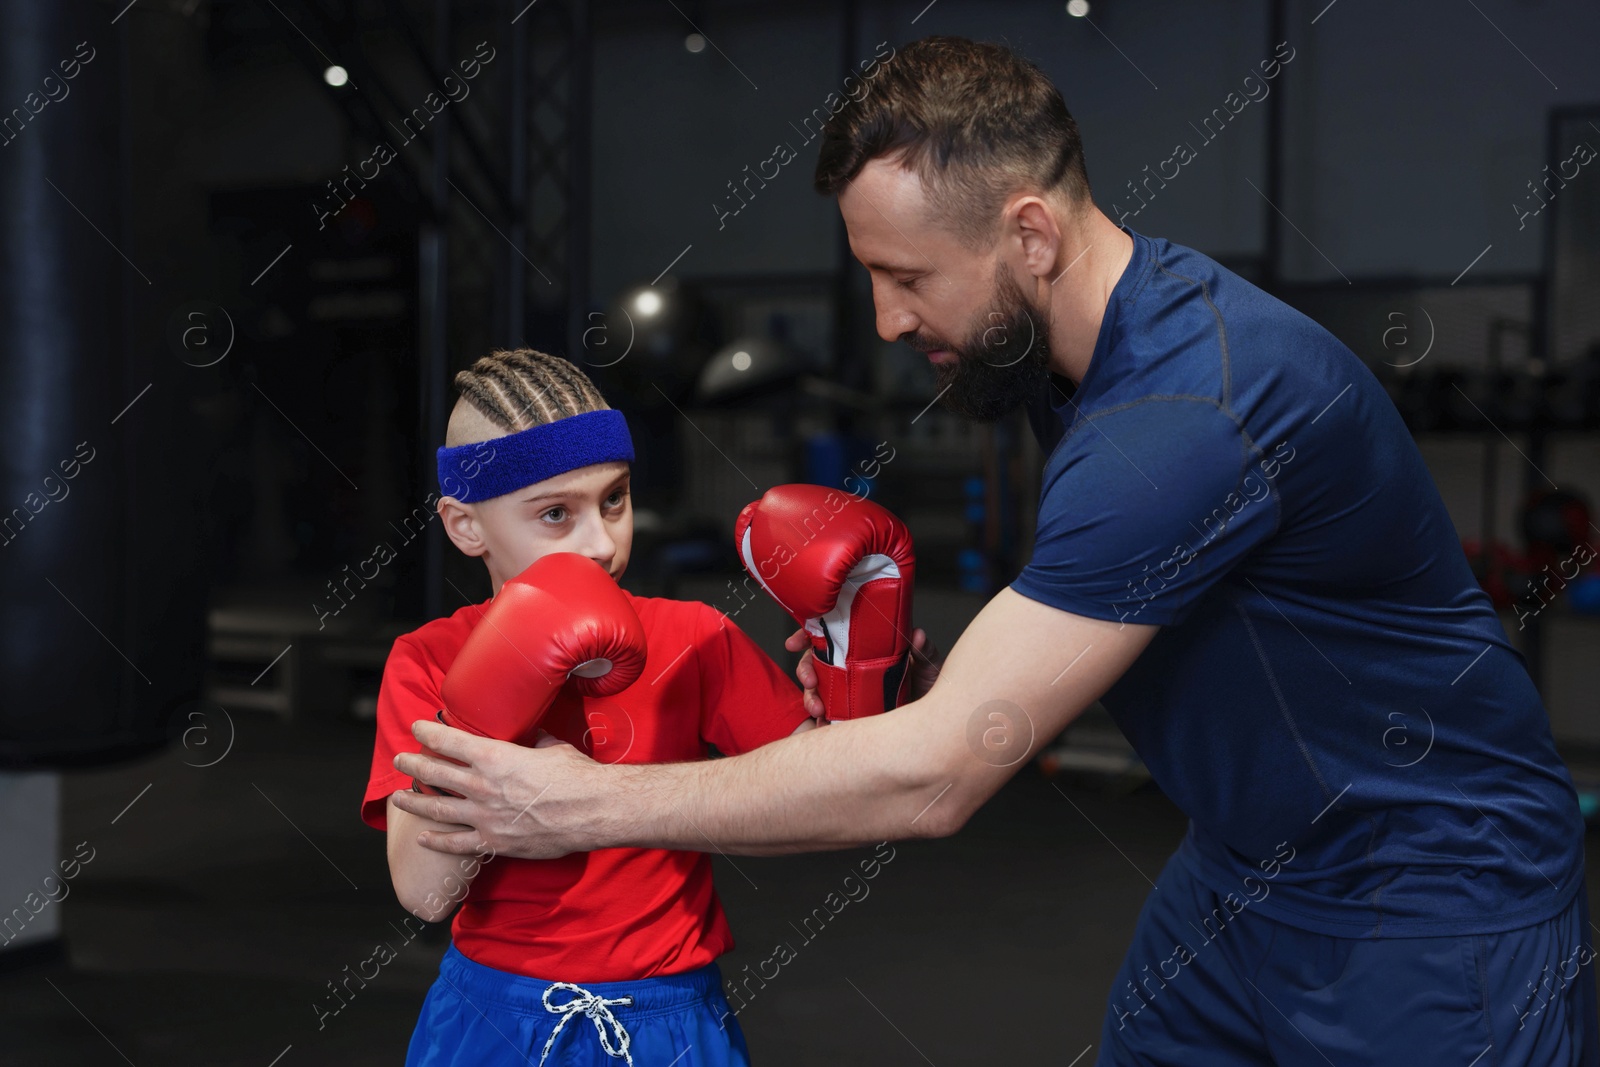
{"points": [[1015, 679], [901, 774], [849, 783], [1020, 673]]}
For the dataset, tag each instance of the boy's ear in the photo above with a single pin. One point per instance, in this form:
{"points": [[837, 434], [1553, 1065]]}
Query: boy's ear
{"points": [[461, 526]]}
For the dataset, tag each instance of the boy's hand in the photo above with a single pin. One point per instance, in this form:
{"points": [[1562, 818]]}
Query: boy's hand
{"points": [[923, 670]]}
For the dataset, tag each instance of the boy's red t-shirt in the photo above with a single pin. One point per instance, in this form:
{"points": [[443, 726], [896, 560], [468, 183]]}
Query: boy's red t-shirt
{"points": [[617, 913]]}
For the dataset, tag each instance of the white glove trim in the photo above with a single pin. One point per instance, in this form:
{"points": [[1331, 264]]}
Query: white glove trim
{"points": [[835, 625]]}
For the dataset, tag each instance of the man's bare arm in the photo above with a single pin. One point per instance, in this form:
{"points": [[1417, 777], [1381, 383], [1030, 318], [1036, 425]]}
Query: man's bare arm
{"points": [[1017, 676]]}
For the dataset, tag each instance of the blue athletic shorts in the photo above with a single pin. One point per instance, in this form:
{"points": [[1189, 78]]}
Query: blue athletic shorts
{"points": [[1205, 985], [478, 1016]]}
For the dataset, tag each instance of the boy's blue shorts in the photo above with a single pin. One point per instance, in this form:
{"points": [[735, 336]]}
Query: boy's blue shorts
{"points": [[1252, 991], [478, 1016]]}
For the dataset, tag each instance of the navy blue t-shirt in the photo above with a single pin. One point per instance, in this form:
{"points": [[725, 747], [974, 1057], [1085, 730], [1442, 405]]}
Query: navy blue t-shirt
{"points": [[1331, 699]]}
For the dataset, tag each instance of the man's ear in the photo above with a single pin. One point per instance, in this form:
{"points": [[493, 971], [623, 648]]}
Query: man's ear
{"points": [[1034, 227], [461, 526]]}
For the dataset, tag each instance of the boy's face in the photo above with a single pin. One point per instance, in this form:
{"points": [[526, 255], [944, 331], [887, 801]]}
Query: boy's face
{"points": [[587, 511]]}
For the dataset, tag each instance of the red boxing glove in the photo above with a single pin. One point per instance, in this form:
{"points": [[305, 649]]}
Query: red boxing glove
{"points": [[842, 567], [564, 617]]}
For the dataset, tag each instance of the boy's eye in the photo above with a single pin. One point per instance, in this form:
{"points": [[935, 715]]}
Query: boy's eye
{"points": [[555, 515], [616, 499]]}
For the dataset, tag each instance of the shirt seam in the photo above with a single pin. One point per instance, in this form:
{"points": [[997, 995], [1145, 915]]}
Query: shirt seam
{"points": [[1277, 694], [1294, 731], [1252, 450], [1222, 331]]}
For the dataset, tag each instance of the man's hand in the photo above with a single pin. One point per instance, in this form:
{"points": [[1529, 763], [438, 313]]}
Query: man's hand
{"points": [[926, 662], [544, 630], [508, 793], [848, 582], [923, 670]]}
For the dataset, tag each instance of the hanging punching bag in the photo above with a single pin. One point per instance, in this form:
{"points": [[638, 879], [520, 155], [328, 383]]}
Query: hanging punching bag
{"points": [[102, 602]]}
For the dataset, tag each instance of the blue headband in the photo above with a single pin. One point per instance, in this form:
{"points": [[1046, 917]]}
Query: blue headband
{"points": [[503, 465]]}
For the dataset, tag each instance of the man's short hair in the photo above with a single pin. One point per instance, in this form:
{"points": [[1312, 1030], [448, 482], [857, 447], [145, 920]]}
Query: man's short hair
{"points": [[976, 122]]}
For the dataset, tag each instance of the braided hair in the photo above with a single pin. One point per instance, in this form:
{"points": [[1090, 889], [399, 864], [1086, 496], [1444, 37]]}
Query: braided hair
{"points": [[521, 387]]}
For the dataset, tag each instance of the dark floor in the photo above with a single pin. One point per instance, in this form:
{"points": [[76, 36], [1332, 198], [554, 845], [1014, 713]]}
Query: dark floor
{"points": [[221, 903]]}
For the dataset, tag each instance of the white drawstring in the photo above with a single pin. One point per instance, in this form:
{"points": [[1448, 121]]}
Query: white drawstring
{"points": [[598, 1010]]}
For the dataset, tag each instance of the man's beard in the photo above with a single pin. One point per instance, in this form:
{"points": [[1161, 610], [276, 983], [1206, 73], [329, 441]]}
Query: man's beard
{"points": [[1004, 361]]}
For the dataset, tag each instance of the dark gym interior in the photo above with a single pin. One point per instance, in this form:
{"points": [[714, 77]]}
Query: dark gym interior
{"points": [[243, 263]]}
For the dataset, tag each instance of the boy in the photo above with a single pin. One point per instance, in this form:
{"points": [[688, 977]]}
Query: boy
{"points": [[536, 463]]}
